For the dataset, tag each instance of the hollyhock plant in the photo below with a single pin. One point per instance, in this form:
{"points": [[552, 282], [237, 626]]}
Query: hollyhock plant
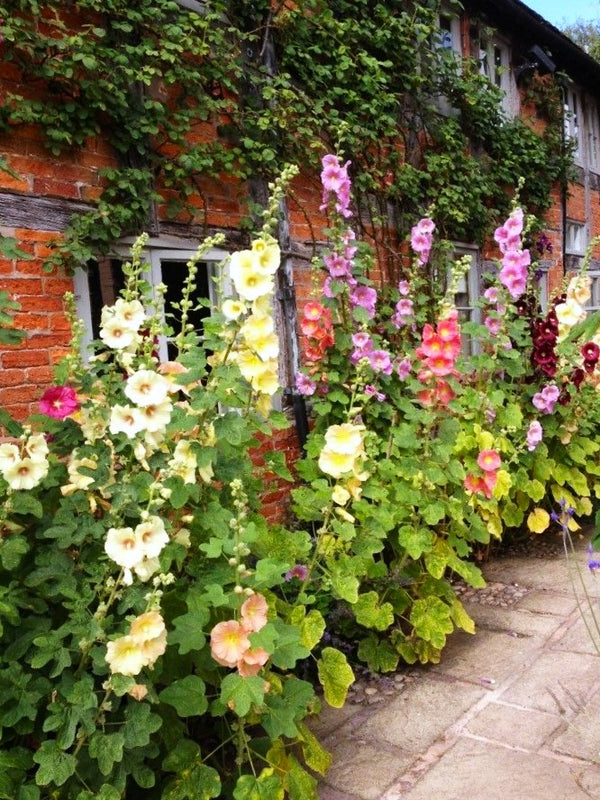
{"points": [[546, 399]]}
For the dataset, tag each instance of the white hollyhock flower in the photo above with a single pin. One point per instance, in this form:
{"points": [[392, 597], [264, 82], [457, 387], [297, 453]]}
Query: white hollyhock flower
{"points": [[25, 473], [233, 309], [157, 416], [248, 276], [146, 387], [37, 447], [126, 419], [116, 335], [129, 312], [152, 536], [269, 255], [345, 438], [146, 568], [124, 547], [9, 455]]}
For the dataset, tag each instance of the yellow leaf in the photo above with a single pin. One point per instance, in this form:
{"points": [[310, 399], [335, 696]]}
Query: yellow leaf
{"points": [[503, 484], [538, 520]]}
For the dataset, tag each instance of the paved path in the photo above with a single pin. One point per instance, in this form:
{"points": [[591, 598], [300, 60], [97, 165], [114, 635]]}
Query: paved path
{"points": [[512, 713]]}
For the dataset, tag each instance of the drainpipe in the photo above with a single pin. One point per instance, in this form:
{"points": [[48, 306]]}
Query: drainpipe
{"points": [[564, 187]]}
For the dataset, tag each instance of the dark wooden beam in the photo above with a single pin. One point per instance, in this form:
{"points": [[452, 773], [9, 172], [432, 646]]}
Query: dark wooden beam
{"points": [[38, 213]]}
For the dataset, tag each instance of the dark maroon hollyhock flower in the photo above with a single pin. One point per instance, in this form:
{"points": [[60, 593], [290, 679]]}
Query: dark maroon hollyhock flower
{"points": [[577, 377], [561, 298], [564, 398], [544, 354], [590, 352]]}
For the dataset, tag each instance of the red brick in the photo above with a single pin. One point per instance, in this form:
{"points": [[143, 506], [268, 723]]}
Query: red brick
{"points": [[40, 375], [21, 286], [52, 188], [24, 358], [12, 377]]}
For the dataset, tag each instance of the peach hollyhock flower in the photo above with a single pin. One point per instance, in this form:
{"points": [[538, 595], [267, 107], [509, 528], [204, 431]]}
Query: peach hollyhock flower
{"points": [[138, 691], [579, 289], [25, 473], [489, 460], [146, 387], [228, 643], [147, 626], [254, 613], [233, 309], [252, 661], [345, 438], [126, 656], [123, 547], [127, 420], [334, 463], [152, 536]]}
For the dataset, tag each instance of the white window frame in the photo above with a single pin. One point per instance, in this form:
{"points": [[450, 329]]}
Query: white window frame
{"points": [[156, 252], [494, 56], [594, 301], [573, 122], [576, 238], [592, 127], [448, 34]]}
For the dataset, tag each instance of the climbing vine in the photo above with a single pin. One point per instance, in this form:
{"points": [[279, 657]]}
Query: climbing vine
{"points": [[189, 92]]}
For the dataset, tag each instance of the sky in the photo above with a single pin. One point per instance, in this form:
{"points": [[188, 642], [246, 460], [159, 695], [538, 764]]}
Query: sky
{"points": [[561, 13]]}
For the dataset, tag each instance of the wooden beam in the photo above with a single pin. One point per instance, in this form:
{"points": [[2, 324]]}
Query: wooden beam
{"points": [[38, 213]]}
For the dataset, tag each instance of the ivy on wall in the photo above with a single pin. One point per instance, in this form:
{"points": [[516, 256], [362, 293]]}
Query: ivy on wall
{"points": [[275, 83]]}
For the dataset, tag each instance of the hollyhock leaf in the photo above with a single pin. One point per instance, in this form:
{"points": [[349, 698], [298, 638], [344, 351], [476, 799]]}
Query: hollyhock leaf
{"points": [[468, 571], [187, 696], [181, 757], [534, 489], [512, 515], [379, 655], [316, 756], [416, 541], [370, 613], [430, 617], [240, 694], [434, 512], [281, 711], [538, 520], [188, 631], [24, 503], [312, 628], [12, 551], [267, 786], [55, 766], [140, 723], [107, 749], [344, 586], [335, 676], [460, 617], [503, 484], [198, 783], [301, 785], [288, 647]]}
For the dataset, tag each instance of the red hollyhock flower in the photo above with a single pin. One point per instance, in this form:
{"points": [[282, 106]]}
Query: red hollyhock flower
{"points": [[591, 352]]}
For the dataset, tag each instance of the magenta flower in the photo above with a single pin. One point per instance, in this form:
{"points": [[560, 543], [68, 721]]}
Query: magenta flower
{"points": [[338, 266], [365, 297], [371, 391], [403, 368], [493, 325], [59, 402], [491, 294], [534, 435], [299, 571]]}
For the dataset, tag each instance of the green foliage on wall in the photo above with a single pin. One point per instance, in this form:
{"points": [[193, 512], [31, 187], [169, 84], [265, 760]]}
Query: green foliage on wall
{"points": [[272, 84]]}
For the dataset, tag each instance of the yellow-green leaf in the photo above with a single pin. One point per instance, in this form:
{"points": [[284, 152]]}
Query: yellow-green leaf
{"points": [[335, 676], [538, 520]]}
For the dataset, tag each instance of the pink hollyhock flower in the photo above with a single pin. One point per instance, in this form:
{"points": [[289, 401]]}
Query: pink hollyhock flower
{"points": [[490, 479], [514, 223], [362, 341], [403, 368], [299, 571], [493, 325], [443, 393], [338, 266], [404, 307], [546, 399], [516, 258], [534, 435], [501, 235], [333, 174], [59, 402], [380, 361], [404, 288], [425, 225], [313, 310], [489, 460], [304, 384], [440, 365], [228, 643], [364, 297], [491, 294], [372, 391]]}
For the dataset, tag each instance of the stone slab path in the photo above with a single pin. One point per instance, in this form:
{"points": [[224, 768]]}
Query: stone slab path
{"points": [[511, 712]]}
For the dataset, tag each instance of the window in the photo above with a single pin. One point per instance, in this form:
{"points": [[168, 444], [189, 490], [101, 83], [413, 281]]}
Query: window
{"points": [[468, 291], [493, 55], [593, 137], [594, 303], [576, 238], [449, 32], [100, 285], [573, 119]]}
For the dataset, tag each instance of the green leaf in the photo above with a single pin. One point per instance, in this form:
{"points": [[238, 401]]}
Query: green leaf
{"points": [[188, 630], [107, 749], [55, 766], [240, 694], [187, 696], [312, 628], [288, 647], [371, 614], [416, 541], [267, 786], [140, 724], [335, 676], [281, 711], [199, 783], [25, 503], [315, 755], [12, 550], [344, 586], [430, 618], [379, 656], [301, 785], [181, 757]]}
